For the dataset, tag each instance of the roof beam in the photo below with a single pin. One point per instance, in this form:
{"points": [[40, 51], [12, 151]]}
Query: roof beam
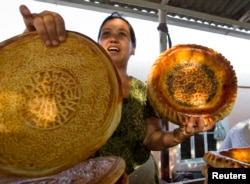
{"points": [[164, 2], [108, 8], [245, 17], [185, 12]]}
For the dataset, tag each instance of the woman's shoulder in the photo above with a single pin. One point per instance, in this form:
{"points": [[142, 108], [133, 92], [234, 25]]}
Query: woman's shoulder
{"points": [[137, 84], [137, 81]]}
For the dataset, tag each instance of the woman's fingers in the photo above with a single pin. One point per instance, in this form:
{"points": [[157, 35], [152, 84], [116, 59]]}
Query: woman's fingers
{"points": [[49, 25], [27, 17]]}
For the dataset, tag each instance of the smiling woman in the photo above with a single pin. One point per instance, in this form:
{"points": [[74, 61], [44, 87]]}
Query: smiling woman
{"points": [[147, 50]]}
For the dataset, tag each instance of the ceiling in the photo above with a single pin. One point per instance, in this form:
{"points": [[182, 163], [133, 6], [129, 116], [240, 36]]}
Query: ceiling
{"points": [[227, 17]]}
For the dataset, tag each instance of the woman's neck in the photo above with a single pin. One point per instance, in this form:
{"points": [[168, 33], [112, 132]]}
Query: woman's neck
{"points": [[125, 81]]}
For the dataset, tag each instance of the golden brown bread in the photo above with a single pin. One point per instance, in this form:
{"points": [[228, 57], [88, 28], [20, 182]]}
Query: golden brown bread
{"points": [[231, 158], [58, 104], [241, 154], [100, 170], [192, 80], [204, 172]]}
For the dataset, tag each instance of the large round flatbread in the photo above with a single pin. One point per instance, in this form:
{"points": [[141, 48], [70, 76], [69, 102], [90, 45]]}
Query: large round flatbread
{"points": [[99, 170], [58, 104], [230, 158], [192, 80]]}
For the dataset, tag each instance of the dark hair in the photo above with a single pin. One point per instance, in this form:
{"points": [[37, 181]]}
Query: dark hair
{"points": [[118, 15]]}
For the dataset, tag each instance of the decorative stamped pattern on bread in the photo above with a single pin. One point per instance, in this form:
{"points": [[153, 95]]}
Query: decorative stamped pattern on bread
{"points": [[192, 80], [53, 96], [58, 104]]}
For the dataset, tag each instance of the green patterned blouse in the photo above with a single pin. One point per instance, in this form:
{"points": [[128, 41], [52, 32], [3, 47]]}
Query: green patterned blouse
{"points": [[127, 140]]}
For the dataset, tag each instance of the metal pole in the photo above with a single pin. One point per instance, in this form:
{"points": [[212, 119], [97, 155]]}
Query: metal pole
{"points": [[163, 38], [164, 155]]}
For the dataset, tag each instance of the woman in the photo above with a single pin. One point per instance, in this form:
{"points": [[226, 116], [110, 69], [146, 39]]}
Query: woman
{"points": [[140, 129]]}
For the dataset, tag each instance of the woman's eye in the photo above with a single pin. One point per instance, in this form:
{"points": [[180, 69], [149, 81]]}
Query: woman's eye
{"points": [[122, 34], [106, 33]]}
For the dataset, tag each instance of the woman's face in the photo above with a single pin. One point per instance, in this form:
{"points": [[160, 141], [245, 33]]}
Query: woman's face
{"points": [[116, 40]]}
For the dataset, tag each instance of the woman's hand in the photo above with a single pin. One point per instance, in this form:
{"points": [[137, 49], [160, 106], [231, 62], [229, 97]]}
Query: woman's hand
{"points": [[191, 127], [157, 139], [49, 25]]}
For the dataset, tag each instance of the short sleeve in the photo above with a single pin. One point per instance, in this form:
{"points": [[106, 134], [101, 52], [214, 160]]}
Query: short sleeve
{"points": [[149, 110]]}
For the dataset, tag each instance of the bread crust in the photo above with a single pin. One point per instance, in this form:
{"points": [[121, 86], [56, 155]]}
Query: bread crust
{"points": [[99, 170], [58, 104], [231, 158], [192, 80]]}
